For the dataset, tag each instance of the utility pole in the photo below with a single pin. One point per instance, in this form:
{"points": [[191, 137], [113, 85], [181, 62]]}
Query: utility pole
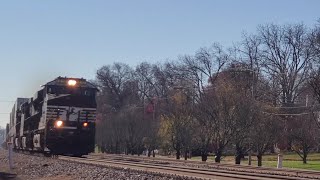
{"points": [[10, 155]]}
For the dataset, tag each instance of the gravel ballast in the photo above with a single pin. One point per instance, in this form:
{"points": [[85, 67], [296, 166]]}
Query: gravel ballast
{"points": [[38, 167]]}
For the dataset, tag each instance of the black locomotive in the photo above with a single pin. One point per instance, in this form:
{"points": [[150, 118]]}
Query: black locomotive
{"points": [[59, 119]]}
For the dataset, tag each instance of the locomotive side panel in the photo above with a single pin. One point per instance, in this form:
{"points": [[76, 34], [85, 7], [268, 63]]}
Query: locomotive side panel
{"points": [[15, 121]]}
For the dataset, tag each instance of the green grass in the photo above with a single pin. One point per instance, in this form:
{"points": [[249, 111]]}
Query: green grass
{"points": [[311, 165], [292, 157], [290, 160]]}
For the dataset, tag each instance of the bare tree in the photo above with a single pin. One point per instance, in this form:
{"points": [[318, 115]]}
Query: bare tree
{"points": [[114, 82], [243, 80], [219, 106], [177, 126], [314, 80], [264, 134], [118, 92], [304, 135], [287, 57], [201, 71], [246, 115], [149, 90], [315, 39], [132, 121]]}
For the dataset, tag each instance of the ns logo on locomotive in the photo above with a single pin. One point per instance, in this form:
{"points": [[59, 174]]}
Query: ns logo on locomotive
{"points": [[58, 119]]}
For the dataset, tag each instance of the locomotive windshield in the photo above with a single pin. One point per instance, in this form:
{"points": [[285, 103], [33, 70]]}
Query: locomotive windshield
{"points": [[71, 86], [70, 90]]}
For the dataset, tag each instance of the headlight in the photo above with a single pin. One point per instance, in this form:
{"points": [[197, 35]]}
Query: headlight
{"points": [[72, 82], [59, 123], [85, 124]]}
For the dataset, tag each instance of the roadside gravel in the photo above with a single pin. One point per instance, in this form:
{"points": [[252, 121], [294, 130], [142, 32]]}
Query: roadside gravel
{"points": [[35, 167]]}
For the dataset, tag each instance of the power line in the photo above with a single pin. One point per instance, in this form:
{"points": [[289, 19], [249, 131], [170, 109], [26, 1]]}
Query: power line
{"points": [[291, 107], [287, 114]]}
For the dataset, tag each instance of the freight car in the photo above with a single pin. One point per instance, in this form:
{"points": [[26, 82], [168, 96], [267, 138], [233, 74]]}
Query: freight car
{"points": [[58, 119]]}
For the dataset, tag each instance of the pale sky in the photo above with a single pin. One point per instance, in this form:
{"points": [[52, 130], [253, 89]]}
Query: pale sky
{"points": [[40, 40]]}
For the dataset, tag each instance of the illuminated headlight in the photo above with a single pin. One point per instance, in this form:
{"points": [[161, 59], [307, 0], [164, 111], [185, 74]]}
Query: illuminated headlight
{"points": [[85, 124], [72, 82], [59, 123]]}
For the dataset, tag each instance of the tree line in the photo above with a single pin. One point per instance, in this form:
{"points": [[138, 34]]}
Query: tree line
{"points": [[260, 95]]}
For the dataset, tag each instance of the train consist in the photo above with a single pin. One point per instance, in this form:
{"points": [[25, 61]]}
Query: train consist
{"points": [[58, 119]]}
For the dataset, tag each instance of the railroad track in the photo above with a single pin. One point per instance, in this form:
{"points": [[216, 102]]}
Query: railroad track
{"points": [[246, 168], [164, 168]]}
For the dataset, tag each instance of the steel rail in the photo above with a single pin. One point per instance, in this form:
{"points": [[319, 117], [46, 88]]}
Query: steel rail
{"points": [[178, 170], [266, 170]]}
